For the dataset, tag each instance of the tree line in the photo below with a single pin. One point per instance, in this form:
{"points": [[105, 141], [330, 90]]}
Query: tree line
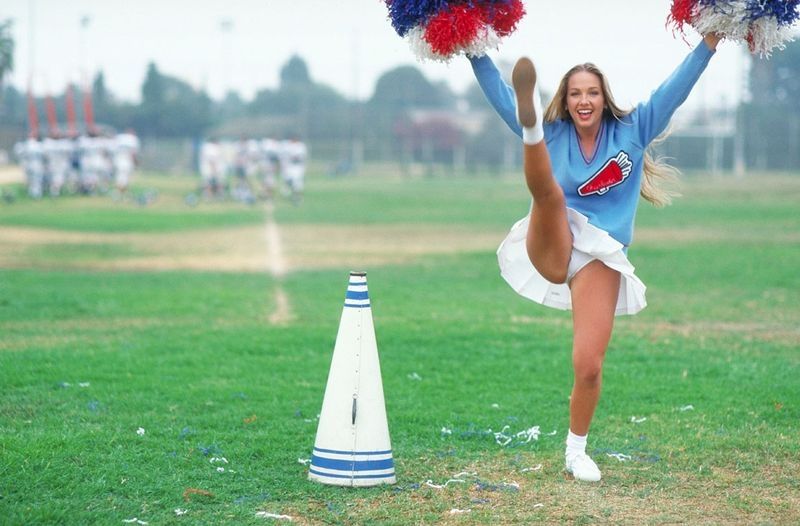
{"points": [[407, 118]]}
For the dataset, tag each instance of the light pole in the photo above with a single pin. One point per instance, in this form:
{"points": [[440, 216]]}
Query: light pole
{"points": [[31, 39], [739, 161], [226, 29], [88, 110], [356, 120], [83, 23]]}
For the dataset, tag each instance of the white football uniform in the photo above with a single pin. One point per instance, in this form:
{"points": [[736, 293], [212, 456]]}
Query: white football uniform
{"points": [[126, 148]]}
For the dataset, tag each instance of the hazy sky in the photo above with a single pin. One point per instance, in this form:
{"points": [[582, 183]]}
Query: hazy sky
{"points": [[347, 44]]}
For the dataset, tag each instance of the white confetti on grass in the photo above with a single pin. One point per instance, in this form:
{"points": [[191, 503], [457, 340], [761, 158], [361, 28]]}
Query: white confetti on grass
{"points": [[637, 420], [304, 461], [134, 521], [430, 483], [180, 511], [456, 511], [620, 456], [538, 505], [220, 460], [140, 431], [65, 385], [537, 467], [524, 436], [414, 376], [504, 437], [276, 516], [478, 484], [689, 407]]}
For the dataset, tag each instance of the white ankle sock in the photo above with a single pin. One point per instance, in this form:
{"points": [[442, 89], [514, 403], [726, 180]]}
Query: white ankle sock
{"points": [[535, 134], [576, 444]]}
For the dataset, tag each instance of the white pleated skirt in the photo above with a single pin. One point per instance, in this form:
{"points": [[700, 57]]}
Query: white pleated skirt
{"points": [[589, 243]]}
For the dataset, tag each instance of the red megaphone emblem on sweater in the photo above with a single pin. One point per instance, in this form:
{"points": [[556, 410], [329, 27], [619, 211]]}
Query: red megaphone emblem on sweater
{"points": [[614, 172]]}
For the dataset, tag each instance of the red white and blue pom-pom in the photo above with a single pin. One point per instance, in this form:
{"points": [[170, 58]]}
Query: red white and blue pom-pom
{"points": [[442, 29], [765, 25]]}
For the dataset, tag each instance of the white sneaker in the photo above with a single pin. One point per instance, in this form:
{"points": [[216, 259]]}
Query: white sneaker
{"points": [[582, 468]]}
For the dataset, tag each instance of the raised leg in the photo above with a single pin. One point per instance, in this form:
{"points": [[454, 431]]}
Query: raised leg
{"points": [[549, 240]]}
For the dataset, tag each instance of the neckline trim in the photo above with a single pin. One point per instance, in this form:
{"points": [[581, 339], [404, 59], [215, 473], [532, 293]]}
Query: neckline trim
{"points": [[597, 139]]}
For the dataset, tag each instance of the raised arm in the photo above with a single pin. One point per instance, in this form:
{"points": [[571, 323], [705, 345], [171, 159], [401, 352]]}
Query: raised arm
{"points": [[653, 116], [711, 40], [499, 94]]}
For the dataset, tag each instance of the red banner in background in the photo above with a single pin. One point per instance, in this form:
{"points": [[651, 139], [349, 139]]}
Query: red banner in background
{"points": [[72, 129], [52, 117], [33, 116], [88, 111]]}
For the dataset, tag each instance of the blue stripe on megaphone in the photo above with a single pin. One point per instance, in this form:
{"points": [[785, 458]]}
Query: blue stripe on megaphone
{"points": [[354, 295], [351, 465], [353, 476]]}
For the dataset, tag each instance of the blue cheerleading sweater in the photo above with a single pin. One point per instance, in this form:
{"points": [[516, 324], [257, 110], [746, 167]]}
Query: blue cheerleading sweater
{"points": [[606, 187]]}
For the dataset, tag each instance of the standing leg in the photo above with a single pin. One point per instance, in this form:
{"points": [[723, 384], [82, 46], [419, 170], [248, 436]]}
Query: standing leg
{"points": [[549, 240], [594, 299]]}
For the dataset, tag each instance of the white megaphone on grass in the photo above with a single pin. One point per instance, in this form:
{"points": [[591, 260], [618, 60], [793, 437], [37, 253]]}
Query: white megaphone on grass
{"points": [[352, 447]]}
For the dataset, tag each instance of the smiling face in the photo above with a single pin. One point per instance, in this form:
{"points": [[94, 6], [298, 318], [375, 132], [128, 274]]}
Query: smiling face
{"points": [[585, 101]]}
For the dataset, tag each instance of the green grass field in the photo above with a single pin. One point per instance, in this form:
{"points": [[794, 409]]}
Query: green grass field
{"points": [[116, 317]]}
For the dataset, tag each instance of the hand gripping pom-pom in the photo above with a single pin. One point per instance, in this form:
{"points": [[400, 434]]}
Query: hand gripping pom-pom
{"points": [[442, 29], [764, 25]]}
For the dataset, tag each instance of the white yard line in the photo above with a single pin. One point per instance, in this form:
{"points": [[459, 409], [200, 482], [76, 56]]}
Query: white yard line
{"points": [[282, 314], [276, 260], [278, 268]]}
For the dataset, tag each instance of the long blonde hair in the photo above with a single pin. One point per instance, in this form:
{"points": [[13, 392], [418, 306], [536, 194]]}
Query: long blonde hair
{"points": [[656, 169]]}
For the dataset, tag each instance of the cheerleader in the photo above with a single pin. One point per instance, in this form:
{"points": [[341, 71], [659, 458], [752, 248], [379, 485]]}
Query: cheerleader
{"points": [[585, 163]]}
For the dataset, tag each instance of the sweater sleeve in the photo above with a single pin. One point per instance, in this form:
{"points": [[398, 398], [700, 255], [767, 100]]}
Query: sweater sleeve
{"points": [[653, 116], [499, 94]]}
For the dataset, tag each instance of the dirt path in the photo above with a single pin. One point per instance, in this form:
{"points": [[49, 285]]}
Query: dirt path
{"points": [[259, 248], [11, 174], [278, 268]]}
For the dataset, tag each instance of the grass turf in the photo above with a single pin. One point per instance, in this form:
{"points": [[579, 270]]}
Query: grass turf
{"points": [[88, 358]]}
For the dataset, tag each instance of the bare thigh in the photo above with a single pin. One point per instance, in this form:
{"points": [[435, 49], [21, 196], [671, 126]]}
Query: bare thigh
{"points": [[549, 240], [594, 289]]}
